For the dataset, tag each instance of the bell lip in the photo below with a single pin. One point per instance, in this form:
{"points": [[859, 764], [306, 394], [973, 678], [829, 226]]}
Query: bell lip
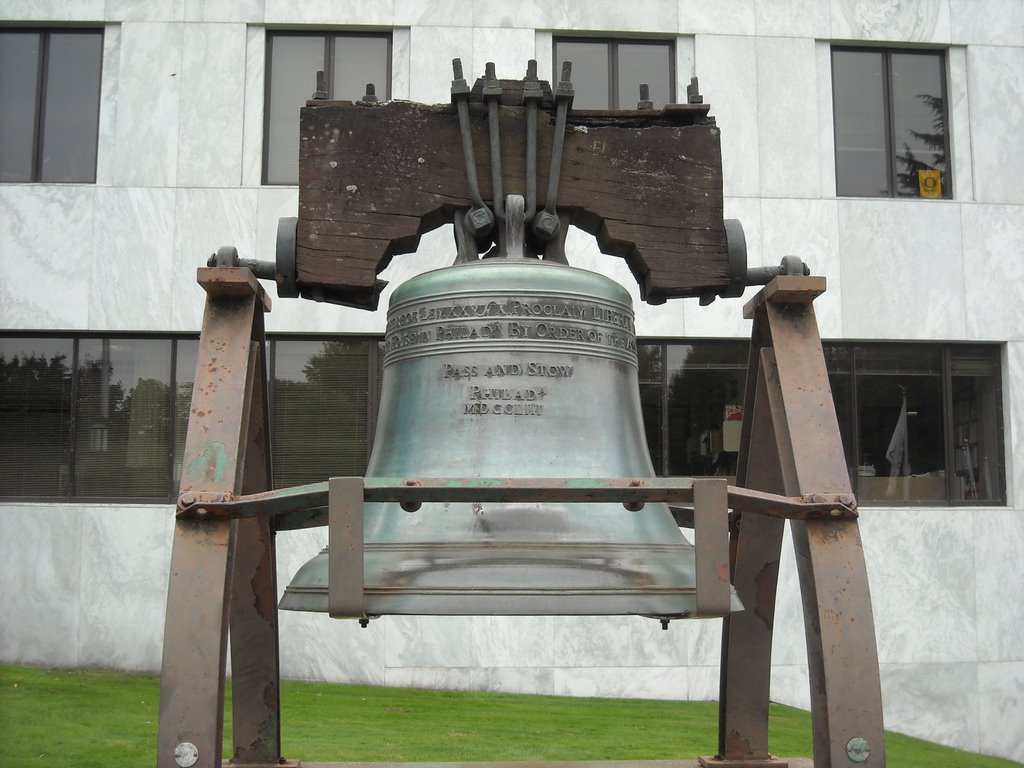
{"points": [[522, 275]]}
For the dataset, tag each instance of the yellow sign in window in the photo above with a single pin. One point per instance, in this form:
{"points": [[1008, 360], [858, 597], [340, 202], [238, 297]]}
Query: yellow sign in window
{"points": [[930, 183]]}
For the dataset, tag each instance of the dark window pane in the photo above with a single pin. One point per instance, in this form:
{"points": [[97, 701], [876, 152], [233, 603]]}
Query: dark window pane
{"points": [[293, 61], [358, 61], [858, 94], [19, 75], [72, 107], [899, 412], [705, 401], [590, 72], [919, 123], [122, 404], [649, 63], [35, 411], [651, 390], [185, 377], [976, 434], [319, 410], [837, 363]]}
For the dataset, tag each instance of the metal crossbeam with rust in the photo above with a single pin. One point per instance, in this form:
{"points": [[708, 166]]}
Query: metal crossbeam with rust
{"points": [[409, 491]]}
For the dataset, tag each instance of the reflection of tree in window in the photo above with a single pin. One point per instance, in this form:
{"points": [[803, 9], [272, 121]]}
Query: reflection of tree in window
{"points": [[319, 410], [35, 410], [934, 142]]}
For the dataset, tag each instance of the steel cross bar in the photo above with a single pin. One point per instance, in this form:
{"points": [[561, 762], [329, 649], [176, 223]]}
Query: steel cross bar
{"points": [[631, 491]]}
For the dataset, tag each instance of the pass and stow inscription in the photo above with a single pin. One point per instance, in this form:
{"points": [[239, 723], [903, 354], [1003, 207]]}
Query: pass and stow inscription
{"points": [[517, 386]]}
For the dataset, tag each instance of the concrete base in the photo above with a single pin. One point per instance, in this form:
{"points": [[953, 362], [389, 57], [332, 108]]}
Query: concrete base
{"points": [[704, 762]]}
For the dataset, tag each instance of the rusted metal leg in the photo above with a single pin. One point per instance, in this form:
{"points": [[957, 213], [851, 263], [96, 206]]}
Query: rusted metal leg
{"points": [[203, 556], [255, 667], [789, 367], [747, 636]]}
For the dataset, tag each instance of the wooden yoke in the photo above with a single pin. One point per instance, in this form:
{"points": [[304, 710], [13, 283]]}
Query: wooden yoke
{"points": [[374, 177]]}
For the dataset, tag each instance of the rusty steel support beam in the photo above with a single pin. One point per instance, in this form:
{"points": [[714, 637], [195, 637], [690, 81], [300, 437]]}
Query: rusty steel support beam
{"points": [[221, 569], [791, 445]]}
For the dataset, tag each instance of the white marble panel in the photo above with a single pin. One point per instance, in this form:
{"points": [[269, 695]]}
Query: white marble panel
{"points": [[996, 84], [657, 16], [544, 50], [52, 10], [512, 641], [125, 562], [727, 69], [998, 541], [145, 10], [790, 685], [886, 246], [961, 156], [429, 641], [106, 134], [713, 17], [46, 252], [40, 564], [705, 685], [316, 647], [808, 229], [250, 11], [401, 64], [826, 120], [789, 644], [130, 281], [363, 12], [787, 111], [618, 641], [252, 110], [509, 49], [994, 271], [703, 643], [206, 219], [793, 18], [1014, 419], [686, 64], [533, 680], [432, 678], [937, 702], [211, 107], [1000, 693], [432, 50], [671, 683], [724, 317], [911, 21], [149, 84], [993, 22], [433, 13], [921, 574]]}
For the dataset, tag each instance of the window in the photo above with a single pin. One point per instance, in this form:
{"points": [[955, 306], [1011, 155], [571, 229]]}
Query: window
{"points": [[890, 123], [49, 104], [920, 423], [607, 74], [94, 417], [349, 62]]}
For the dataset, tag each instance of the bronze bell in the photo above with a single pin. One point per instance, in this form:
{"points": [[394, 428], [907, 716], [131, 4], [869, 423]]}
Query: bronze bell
{"points": [[512, 368]]}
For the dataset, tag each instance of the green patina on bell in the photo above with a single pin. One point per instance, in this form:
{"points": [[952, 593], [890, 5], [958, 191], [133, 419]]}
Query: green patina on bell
{"points": [[512, 368]]}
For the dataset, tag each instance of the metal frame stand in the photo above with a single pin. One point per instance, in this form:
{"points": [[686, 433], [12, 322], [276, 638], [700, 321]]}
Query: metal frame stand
{"points": [[222, 570], [791, 466], [791, 445]]}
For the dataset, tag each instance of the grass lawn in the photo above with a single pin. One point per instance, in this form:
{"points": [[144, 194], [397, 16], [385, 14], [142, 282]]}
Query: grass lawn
{"points": [[87, 718]]}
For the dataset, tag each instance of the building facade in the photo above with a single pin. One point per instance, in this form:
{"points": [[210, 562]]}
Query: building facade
{"points": [[879, 141]]}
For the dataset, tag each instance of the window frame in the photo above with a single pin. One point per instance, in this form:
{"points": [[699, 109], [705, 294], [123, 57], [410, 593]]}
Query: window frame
{"points": [[41, 86], [612, 46], [890, 124], [330, 36]]}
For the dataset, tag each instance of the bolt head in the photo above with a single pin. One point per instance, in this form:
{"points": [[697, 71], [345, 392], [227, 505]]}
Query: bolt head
{"points": [[546, 225], [858, 750], [479, 221], [186, 754]]}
